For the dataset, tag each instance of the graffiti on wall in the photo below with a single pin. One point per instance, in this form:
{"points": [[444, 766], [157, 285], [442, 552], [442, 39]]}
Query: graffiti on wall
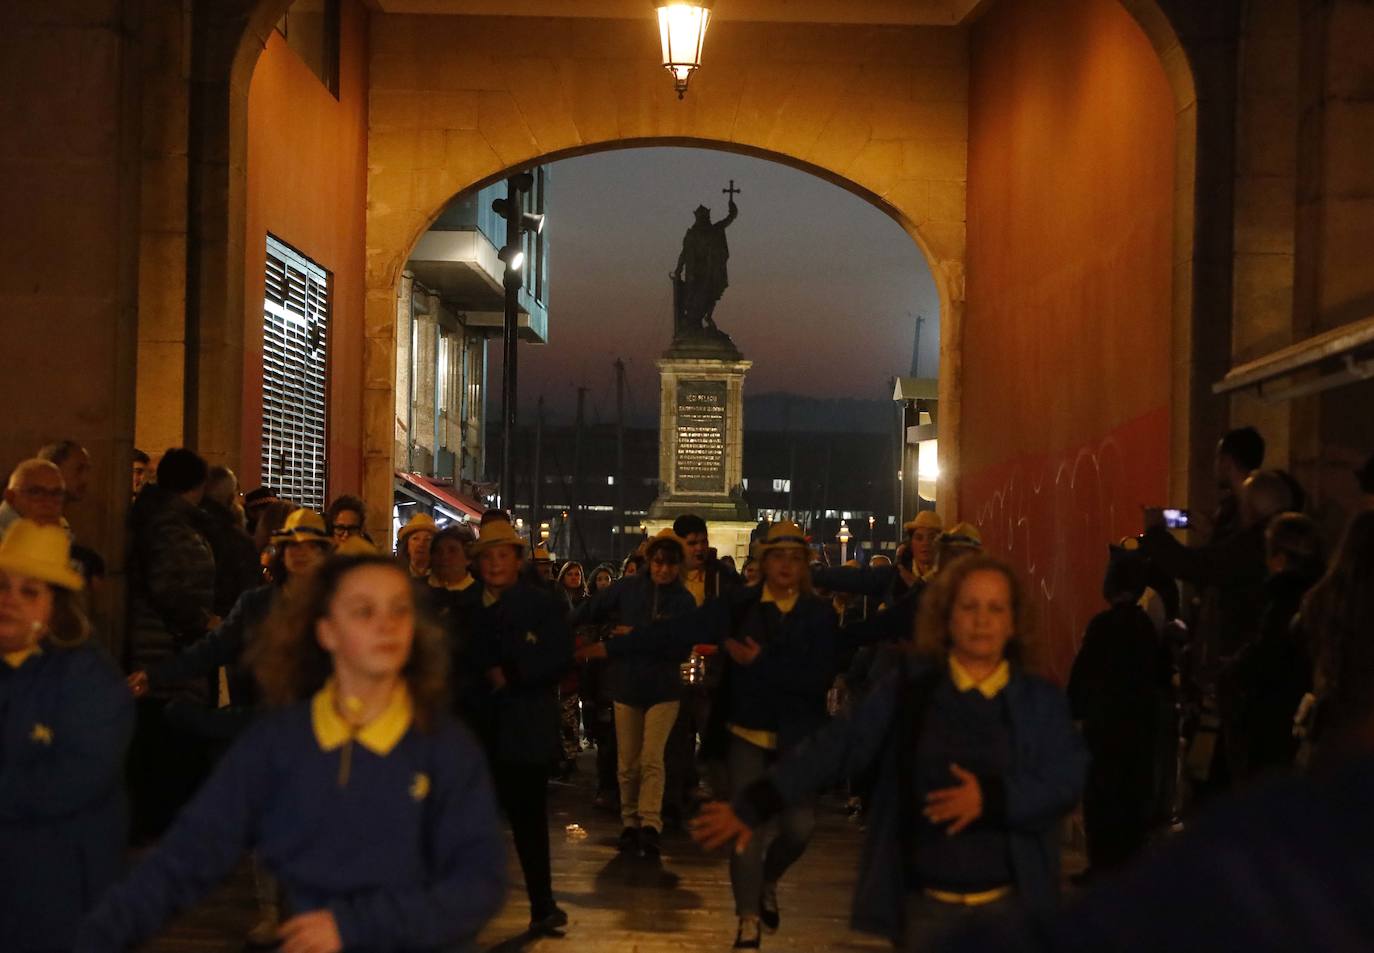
{"points": [[1052, 516]]}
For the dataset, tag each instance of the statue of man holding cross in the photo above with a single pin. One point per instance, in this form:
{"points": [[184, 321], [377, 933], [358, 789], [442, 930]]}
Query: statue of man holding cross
{"points": [[700, 277]]}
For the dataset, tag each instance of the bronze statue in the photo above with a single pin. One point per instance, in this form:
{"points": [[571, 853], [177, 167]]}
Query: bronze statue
{"points": [[700, 277]]}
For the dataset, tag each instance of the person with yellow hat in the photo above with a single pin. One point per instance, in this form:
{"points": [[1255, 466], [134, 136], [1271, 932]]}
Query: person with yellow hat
{"points": [[413, 542], [65, 724], [646, 689], [781, 640], [519, 647], [921, 535]]}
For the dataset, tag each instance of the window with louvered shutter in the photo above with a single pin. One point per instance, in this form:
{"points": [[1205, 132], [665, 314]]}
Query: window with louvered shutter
{"points": [[295, 336]]}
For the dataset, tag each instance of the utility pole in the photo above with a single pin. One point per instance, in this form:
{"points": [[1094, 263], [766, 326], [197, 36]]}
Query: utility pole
{"points": [[618, 528], [576, 495], [536, 494], [511, 208]]}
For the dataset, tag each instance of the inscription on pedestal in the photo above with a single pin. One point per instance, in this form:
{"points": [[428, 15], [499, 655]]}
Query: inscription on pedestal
{"points": [[700, 463]]}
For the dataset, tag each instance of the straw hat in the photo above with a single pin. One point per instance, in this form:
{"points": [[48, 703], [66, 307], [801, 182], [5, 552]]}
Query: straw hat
{"points": [[355, 546], [962, 534], [303, 526], [43, 552], [498, 534], [785, 533], [541, 553], [419, 523], [926, 519], [664, 538]]}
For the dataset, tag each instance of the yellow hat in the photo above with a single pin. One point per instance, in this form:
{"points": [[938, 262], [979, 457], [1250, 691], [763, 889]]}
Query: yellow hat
{"points": [[666, 537], [926, 519], [419, 523], [355, 546], [43, 552], [962, 534], [303, 526], [780, 535], [498, 533], [541, 553]]}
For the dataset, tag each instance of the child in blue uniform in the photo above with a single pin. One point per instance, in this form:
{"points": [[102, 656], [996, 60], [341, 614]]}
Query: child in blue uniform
{"points": [[65, 723], [369, 805]]}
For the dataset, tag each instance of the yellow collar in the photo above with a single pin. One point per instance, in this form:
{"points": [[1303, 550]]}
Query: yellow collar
{"points": [[16, 659], [490, 598], [988, 687], [785, 604], [379, 735], [468, 582]]}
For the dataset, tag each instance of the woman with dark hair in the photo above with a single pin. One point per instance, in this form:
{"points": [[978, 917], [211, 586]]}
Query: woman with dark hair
{"points": [[646, 690], [780, 641], [65, 724], [977, 764], [633, 563], [571, 590], [603, 576], [1338, 619], [372, 808]]}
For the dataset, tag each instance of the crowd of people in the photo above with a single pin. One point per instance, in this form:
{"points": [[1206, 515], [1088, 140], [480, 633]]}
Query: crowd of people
{"points": [[361, 723]]}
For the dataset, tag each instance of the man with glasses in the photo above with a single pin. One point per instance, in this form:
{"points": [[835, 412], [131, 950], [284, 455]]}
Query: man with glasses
{"points": [[346, 517], [36, 492]]}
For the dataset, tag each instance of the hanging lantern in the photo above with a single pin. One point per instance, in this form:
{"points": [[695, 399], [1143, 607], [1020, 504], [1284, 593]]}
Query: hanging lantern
{"points": [[682, 31]]}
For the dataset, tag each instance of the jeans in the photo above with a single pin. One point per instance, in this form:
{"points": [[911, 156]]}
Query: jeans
{"points": [[640, 737], [522, 790], [776, 845]]}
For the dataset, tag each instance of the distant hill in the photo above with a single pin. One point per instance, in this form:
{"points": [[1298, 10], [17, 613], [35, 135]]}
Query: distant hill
{"points": [[781, 411]]}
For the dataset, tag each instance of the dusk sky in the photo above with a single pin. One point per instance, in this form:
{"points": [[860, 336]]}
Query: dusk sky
{"points": [[824, 288]]}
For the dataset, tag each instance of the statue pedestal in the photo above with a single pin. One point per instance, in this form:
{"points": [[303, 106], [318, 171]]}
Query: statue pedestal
{"points": [[701, 445]]}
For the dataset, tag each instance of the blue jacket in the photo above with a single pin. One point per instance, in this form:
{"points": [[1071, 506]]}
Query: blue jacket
{"points": [[784, 689], [1048, 769], [66, 716], [640, 680], [407, 854], [524, 635]]}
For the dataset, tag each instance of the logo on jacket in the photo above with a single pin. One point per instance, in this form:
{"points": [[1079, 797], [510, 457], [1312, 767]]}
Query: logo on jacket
{"points": [[419, 788], [41, 734]]}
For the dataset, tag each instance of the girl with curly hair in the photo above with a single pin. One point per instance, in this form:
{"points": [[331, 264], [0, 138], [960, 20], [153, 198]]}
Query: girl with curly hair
{"points": [[372, 809]]}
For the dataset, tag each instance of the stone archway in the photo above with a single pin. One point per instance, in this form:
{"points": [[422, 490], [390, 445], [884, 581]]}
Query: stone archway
{"points": [[881, 112]]}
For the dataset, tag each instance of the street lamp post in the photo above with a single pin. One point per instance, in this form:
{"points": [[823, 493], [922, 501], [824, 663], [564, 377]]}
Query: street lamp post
{"points": [[844, 542], [872, 538]]}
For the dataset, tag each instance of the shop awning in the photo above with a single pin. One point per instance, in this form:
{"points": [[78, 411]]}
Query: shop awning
{"points": [[443, 495]]}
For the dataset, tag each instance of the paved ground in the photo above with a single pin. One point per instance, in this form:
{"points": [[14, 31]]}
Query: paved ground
{"points": [[681, 905]]}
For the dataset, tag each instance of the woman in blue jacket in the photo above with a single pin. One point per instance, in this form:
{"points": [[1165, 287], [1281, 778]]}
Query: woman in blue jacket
{"points": [[65, 723], [369, 805], [646, 690], [780, 639], [986, 750]]}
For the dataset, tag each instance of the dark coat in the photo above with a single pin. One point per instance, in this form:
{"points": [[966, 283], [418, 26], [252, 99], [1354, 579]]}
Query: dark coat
{"points": [[224, 646], [883, 583], [455, 611], [784, 689], [1285, 867], [1048, 765], [66, 717], [1114, 689], [524, 635], [640, 680], [237, 567], [171, 583]]}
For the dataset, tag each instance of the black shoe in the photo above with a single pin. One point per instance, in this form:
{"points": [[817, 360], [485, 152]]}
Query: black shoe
{"points": [[648, 843], [550, 921], [747, 937], [629, 840], [768, 908]]}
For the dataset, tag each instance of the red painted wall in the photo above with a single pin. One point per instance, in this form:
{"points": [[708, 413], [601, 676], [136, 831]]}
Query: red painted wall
{"points": [[1067, 337], [307, 185]]}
